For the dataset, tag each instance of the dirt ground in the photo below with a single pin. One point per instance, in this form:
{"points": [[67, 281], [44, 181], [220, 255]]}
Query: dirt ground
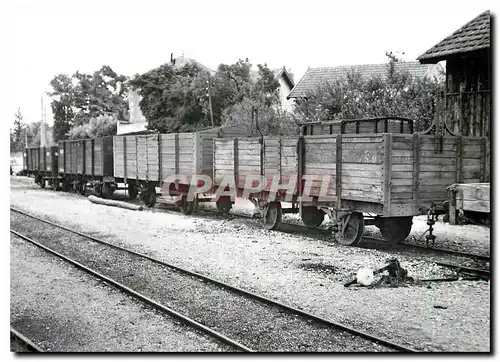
{"points": [[303, 271]]}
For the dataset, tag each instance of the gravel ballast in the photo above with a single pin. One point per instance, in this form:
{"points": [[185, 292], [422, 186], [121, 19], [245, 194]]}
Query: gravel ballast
{"points": [[255, 324], [278, 265], [62, 309]]}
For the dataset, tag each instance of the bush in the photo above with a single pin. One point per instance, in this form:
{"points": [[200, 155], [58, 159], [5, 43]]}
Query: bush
{"points": [[97, 127]]}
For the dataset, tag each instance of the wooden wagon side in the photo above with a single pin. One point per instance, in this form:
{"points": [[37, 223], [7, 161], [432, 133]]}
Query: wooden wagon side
{"points": [[469, 201], [358, 126], [423, 166]]}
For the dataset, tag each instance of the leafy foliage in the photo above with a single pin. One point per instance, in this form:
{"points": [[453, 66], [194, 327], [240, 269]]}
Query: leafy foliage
{"points": [[100, 126], [177, 99], [82, 97], [174, 99], [17, 140], [396, 94]]}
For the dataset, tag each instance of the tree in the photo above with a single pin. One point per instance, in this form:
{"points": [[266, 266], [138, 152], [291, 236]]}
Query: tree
{"points": [[102, 93], [82, 97], [354, 96], [259, 110], [17, 140], [97, 127], [62, 105], [174, 99]]}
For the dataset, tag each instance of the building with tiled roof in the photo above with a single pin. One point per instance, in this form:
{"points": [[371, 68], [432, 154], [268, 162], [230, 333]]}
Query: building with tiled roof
{"points": [[464, 107], [315, 77], [466, 102], [472, 37]]}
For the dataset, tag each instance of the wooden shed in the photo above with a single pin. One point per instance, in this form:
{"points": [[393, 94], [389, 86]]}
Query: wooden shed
{"points": [[464, 106]]}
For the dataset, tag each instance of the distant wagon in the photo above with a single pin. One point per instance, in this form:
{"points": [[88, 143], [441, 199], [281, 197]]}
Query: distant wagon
{"points": [[145, 162]]}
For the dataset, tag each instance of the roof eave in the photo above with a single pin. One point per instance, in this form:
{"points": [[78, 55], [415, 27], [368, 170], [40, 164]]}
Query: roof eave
{"points": [[434, 59]]}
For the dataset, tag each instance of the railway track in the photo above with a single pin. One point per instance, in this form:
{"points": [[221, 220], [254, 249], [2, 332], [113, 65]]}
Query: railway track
{"points": [[247, 318], [326, 234], [373, 243], [21, 343], [183, 318]]}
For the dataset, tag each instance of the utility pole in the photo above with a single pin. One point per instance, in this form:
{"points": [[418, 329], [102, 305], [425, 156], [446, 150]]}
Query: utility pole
{"points": [[210, 103]]}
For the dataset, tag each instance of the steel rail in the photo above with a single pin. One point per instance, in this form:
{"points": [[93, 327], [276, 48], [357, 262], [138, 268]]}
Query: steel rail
{"points": [[259, 297], [439, 250], [30, 345], [382, 241], [460, 268], [140, 296]]}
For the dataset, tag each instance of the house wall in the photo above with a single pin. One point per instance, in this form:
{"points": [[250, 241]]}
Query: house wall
{"points": [[465, 106], [123, 128], [137, 121], [136, 115], [285, 90]]}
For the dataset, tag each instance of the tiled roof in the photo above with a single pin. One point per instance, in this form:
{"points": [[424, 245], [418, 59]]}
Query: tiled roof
{"points": [[315, 77], [282, 72], [474, 35]]}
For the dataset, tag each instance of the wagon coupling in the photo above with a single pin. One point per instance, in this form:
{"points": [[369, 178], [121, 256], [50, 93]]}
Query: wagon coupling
{"points": [[430, 239]]}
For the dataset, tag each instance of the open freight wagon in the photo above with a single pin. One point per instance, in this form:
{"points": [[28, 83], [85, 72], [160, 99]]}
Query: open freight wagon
{"points": [[86, 162], [145, 162], [42, 163], [356, 126], [391, 177]]}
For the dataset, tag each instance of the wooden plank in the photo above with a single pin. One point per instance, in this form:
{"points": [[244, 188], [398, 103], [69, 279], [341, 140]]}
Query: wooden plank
{"points": [[387, 169], [236, 164], [376, 174], [369, 167], [338, 171], [476, 205], [362, 156], [434, 188], [459, 160], [402, 182], [436, 181], [318, 171], [363, 146], [289, 151], [401, 196], [361, 139], [319, 165], [363, 195]]}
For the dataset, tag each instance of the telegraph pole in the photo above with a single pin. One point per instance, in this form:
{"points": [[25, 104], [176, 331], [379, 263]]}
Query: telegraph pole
{"points": [[210, 103], [42, 127]]}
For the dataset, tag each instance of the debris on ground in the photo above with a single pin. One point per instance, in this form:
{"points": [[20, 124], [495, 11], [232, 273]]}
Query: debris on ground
{"points": [[392, 275]]}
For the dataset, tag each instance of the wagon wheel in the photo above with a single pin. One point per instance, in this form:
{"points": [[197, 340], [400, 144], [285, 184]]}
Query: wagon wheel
{"points": [[224, 204], [187, 207], [55, 184], [151, 198], [107, 191], [272, 216], [132, 190], [351, 229], [148, 196], [82, 187], [395, 229], [98, 190], [42, 183], [312, 217], [65, 186]]}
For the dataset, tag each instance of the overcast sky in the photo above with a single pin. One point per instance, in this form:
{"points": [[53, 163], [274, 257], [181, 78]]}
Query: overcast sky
{"points": [[49, 37]]}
